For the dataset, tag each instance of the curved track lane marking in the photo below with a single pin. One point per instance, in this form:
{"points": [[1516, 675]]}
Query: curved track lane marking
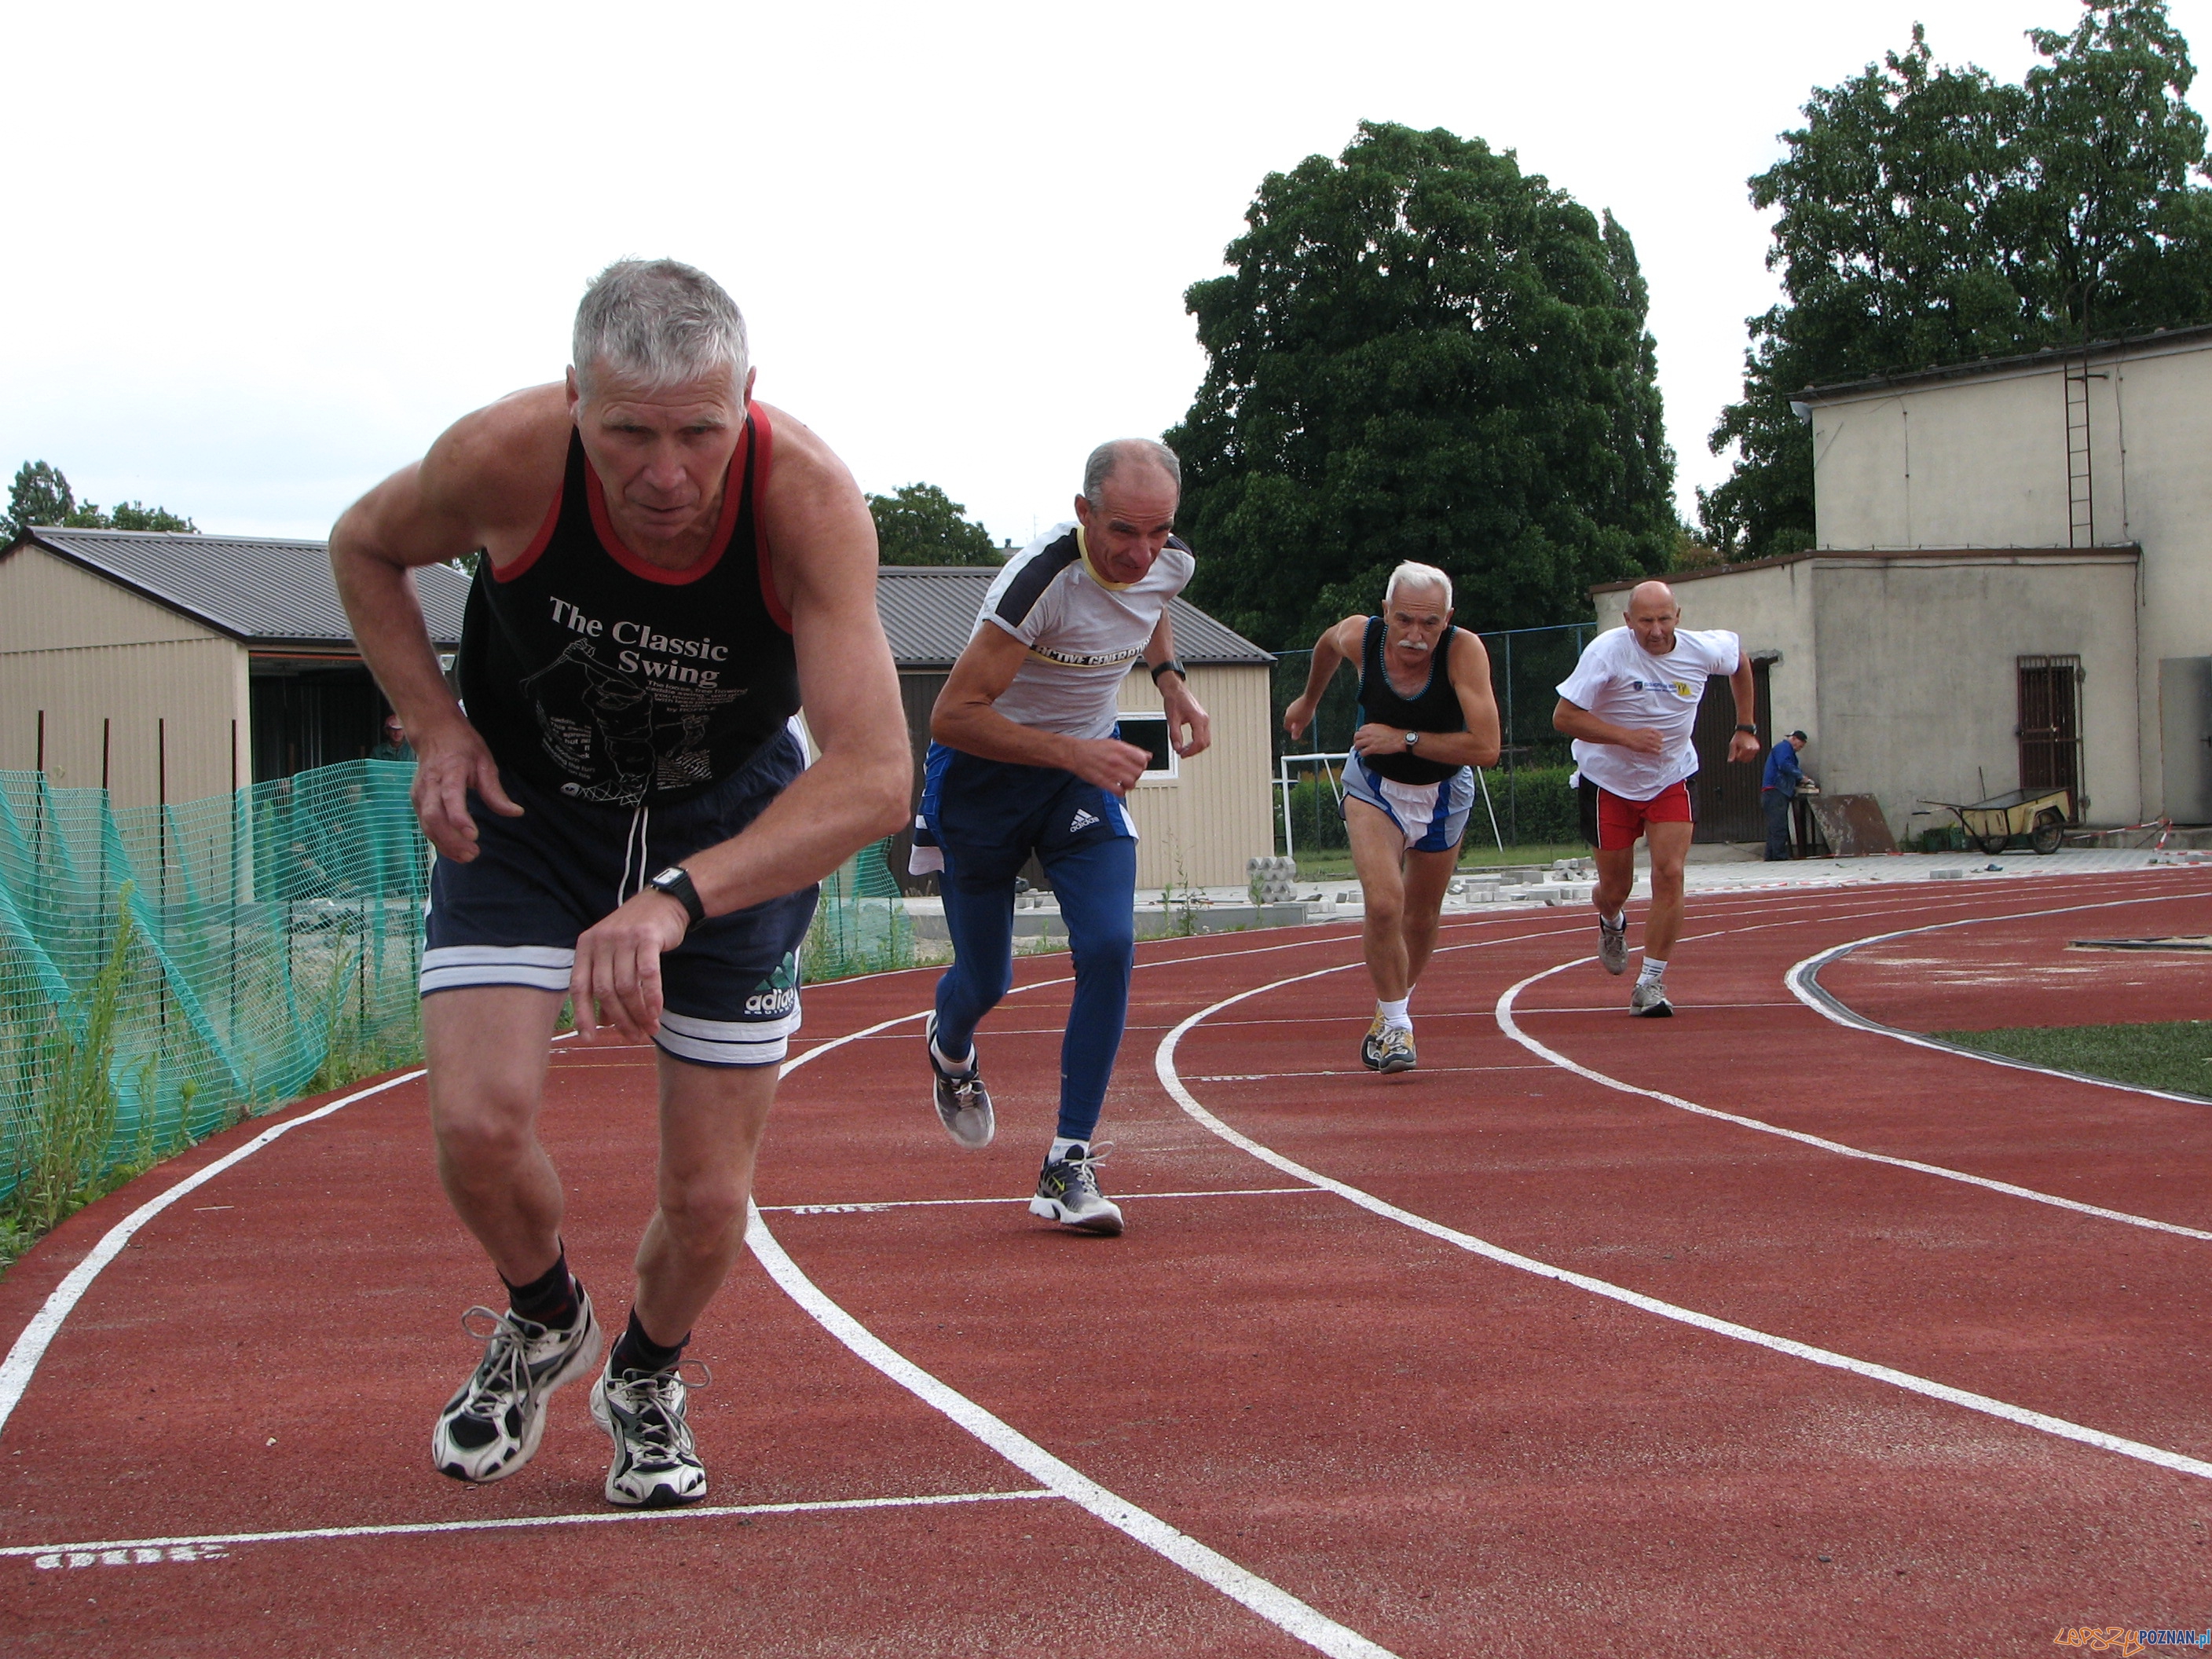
{"points": [[1240, 1584], [1512, 1027], [1164, 1064], [1803, 979]]}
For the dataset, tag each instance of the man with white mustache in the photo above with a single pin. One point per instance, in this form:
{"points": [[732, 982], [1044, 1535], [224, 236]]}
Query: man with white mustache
{"points": [[1426, 719]]}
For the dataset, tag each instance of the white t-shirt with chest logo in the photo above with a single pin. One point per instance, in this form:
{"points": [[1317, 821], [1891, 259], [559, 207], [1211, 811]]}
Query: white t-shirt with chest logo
{"points": [[1618, 680]]}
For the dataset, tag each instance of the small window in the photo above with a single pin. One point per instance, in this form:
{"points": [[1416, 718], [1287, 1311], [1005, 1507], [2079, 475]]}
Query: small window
{"points": [[1150, 733]]}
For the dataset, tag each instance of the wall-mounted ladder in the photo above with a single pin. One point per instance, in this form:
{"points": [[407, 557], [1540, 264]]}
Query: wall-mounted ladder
{"points": [[2081, 500]]}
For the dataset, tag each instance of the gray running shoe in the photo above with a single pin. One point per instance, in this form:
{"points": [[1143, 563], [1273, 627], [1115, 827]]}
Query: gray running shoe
{"points": [[1370, 1046], [1612, 946], [1067, 1192], [1650, 1002], [964, 1104], [492, 1426], [1395, 1052], [655, 1467]]}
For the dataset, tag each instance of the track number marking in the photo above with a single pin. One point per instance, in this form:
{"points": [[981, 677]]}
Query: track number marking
{"points": [[143, 1555]]}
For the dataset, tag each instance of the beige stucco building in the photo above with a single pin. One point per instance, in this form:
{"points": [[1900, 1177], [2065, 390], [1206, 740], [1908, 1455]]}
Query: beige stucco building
{"points": [[2012, 584]]}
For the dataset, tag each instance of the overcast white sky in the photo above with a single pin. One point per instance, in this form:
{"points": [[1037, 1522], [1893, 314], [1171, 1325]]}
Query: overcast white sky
{"points": [[264, 253]]}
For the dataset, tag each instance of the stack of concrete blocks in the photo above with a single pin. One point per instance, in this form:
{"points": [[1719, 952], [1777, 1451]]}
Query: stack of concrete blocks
{"points": [[1274, 880]]}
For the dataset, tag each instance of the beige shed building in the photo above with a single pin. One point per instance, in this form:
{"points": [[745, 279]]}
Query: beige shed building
{"points": [[2012, 585], [172, 666]]}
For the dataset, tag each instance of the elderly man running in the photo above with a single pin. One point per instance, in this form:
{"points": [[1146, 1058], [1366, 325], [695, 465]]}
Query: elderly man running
{"points": [[1631, 706], [666, 572], [1427, 717], [1026, 758]]}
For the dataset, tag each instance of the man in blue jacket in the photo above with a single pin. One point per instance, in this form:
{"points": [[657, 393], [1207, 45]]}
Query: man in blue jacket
{"points": [[1777, 790]]}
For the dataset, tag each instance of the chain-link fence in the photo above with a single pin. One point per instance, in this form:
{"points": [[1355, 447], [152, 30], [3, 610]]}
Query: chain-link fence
{"points": [[164, 969], [1528, 787]]}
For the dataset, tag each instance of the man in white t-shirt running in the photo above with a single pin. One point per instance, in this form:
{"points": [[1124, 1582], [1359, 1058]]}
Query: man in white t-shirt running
{"points": [[1631, 706], [1026, 757]]}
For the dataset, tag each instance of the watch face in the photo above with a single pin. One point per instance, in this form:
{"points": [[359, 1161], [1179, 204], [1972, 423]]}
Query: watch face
{"points": [[673, 872]]}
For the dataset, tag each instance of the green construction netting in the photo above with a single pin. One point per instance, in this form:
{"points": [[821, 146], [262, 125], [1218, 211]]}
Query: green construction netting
{"points": [[165, 968]]}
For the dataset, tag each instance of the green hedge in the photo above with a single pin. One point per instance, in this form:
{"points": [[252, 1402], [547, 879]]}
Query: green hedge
{"points": [[1535, 808]]}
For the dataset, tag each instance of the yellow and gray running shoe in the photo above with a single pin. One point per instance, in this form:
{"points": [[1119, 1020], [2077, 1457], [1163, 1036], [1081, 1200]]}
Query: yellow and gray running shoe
{"points": [[655, 1465], [1370, 1046], [1395, 1053], [1067, 1192], [491, 1427]]}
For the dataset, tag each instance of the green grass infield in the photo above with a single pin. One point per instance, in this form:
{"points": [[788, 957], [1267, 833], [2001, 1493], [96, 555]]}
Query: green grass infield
{"points": [[2174, 1055]]}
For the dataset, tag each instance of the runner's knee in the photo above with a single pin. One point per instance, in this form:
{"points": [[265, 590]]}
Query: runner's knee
{"points": [[703, 1213]]}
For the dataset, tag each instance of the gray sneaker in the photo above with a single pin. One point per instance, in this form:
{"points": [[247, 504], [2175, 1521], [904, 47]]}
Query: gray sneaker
{"points": [[1650, 1002], [655, 1467], [1395, 1051], [491, 1427], [1067, 1192], [1612, 946], [964, 1104]]}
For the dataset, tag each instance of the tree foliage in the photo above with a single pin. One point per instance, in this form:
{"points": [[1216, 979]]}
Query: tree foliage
{"points": [[1421, 353], [41, 495], [1929, 214], [920, 524]]}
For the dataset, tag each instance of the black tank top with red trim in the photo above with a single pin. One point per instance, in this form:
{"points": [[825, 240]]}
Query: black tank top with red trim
{"points": [[592, 673], [1434, 708]]}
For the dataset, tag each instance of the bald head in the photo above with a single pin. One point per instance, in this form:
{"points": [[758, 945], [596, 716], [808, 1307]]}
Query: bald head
{"points": [[1653, 616]]}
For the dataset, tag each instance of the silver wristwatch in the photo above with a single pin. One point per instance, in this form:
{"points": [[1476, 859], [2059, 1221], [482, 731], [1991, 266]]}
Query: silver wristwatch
{"points": [[1413, 740]]}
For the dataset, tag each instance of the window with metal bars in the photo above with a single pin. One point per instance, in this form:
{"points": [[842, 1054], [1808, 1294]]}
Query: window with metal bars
{"points": [[2049, 729]]}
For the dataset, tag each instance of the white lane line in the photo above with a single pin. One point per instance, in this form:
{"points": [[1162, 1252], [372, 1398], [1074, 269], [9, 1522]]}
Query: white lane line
{"points": [[32, 1343], [1272, 1602], [1164, 1064], [507, 1523], [1353, 1072], [869, 1206], [1512, 1027], [1803, 979]]}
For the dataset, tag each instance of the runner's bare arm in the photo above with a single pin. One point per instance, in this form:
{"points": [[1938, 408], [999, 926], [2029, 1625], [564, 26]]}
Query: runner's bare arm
{"points": [[484, 485], [1338, 646], [1744, 745], [1183, 712], [966, 718], [1573, 719]]}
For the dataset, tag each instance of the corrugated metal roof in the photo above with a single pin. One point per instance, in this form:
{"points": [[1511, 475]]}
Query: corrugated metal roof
{"points": [[253, 588], [929, 611]]}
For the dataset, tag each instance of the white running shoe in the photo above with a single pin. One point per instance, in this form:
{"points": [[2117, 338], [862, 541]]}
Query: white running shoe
{"points": [[1612, 946], [492, 1426], [655, 1465], [964, 1104], [1395, 1052], [1067, 1192], [1649, 1001]]}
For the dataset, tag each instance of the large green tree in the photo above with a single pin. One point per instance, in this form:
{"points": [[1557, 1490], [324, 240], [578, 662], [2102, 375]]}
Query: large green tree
{"points": [[41, 495], [1421, 353], [1928, 215], [920, 524]]}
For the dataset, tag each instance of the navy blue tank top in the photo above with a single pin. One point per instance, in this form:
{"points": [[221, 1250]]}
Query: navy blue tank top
{"points": [[1435, 708], [594, 673]]}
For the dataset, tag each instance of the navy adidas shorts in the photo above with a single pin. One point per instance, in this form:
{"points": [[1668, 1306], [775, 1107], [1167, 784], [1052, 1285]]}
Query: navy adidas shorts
{"points": [[991, 815], [511, 915]]}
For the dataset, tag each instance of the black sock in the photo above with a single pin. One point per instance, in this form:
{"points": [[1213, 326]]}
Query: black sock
{"points": [[549, 1299], [637, 1351]]}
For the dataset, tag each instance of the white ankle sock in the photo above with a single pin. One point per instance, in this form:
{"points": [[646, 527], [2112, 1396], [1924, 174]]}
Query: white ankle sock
{"points": [[949, 1064], [1395, 1016], [1062, 1145], [1654, 972], [1617, 920]]}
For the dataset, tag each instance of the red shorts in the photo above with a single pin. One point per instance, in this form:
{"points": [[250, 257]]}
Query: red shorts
{"points": [[1620, 821]]}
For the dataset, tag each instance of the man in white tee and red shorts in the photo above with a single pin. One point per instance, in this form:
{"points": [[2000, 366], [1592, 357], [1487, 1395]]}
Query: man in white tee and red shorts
{"points": [[1631, 706]]}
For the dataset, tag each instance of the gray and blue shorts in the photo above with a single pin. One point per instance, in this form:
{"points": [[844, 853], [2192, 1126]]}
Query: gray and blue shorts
{"points": [[512, 914], [1432, 817]]}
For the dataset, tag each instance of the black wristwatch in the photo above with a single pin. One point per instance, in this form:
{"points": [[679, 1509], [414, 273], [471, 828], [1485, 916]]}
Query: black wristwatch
{"points": [[1749, 730], [676, 881], [1171, 666]]}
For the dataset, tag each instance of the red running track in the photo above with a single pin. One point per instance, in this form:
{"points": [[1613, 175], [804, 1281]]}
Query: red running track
{"points": [[1904, 1355]]}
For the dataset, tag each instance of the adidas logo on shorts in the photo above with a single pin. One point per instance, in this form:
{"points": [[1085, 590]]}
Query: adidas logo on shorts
{"points": [[1083, 820]]}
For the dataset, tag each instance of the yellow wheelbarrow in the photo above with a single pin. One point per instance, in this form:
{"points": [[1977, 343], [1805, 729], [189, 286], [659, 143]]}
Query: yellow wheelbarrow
{"points": [[2040, 816]]}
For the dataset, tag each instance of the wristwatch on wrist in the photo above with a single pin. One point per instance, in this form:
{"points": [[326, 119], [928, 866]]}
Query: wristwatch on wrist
{"points": [[1749, 730], [1171, 666], [676, 881], [1413, 740]]}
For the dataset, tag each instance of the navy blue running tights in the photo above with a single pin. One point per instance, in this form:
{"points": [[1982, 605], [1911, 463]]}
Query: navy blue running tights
{"points": [[1096, 883]]}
